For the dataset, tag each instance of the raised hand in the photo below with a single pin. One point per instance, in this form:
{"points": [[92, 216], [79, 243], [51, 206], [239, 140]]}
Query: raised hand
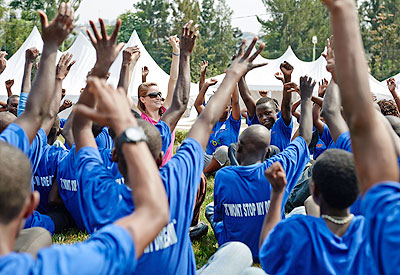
{"points": [[263, 93], [287, 70], [174, 41], [203, 66], [279, 76], [9, 83], [323, 84], [391, 83], [242, 63], [211, 82], [145, 73], [130, 54], [64, 66], [66, 104], [188, 37], [112, 106], [3, 61], [291, 87], [330, 57], [276, 176], [31, 54], [60, 27], [306, 87], [106, 47]]}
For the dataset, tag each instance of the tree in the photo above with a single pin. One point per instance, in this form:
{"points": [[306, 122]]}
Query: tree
{"points": [[294, 23], [381, 36]]}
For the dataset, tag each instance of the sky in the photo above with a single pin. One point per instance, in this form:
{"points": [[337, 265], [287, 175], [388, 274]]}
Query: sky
{"points": [[92, 9]]}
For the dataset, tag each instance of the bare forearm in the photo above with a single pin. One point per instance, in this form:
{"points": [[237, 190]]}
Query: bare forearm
{"points": [[286, 107], [124, 77], [26, 79], [306, 121], [173, 77], [9, 92], [317, 100], [396, 99], [235, 104], [54, 107], [181, 94], [198, 103], [273, 216], [246, 96]]}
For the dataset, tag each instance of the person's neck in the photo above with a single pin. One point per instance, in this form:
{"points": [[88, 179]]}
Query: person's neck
{"points": [[153, 114], [250, 160], [337, 229], [8, 234]]}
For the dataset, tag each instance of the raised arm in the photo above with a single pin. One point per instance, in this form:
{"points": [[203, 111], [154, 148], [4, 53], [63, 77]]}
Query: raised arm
{"points": [[63, 67], [173, 74], [277, 178], [368, 135], [130, 56], [148, 193], [9, 83], [235, 104], [53, 34], [332, 113], [287, 71], [248, 100], [31, 55], [215, 107], [182, 88], [391, 83], [107, 51], [203, 69], [306, 121], [200, 99], [145, 72], [66, 104]]}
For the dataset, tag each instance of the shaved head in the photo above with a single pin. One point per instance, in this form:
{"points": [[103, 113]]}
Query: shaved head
{"points": [[6, 118], [253, 143]]}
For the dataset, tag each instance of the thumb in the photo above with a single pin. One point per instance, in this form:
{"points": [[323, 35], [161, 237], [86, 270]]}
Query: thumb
{"points": [[43, 19], [90, 113]]}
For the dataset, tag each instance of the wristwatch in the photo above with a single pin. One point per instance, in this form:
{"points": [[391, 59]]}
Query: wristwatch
{"points": [[130, 135]]}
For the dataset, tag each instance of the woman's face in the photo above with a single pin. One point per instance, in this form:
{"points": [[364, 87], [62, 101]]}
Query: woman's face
{"points": [[152, 99]]}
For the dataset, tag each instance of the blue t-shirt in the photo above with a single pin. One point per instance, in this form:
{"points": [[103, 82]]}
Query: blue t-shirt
{"points": [[171, 251], [39, 220], [109, 251], [165, 133], [280, 132], [381, 208], [320, 147], [16, 136], [62, 122], [104, 140], [44, 176], [305, 245], [327, 138], [344, 142], [242, 195], [223, 133]]}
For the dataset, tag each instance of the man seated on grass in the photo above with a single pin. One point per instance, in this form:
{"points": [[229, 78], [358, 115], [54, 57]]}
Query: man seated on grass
{"points": [[266, 112], [242, 194], [374, 154], [298, 243]]}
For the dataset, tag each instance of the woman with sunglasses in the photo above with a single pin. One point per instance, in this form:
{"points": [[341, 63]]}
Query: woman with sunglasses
{"points": [[150, 101]]}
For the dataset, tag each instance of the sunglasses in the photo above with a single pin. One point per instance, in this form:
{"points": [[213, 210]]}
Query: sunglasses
{"points": [[154, 95]]}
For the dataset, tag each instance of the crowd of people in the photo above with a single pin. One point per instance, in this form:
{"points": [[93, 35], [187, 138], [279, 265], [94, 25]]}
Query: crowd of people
{"points": [[322, 197]]}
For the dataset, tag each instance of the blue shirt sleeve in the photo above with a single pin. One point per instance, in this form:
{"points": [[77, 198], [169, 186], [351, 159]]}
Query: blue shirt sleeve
{"points": [[40, 220], [62, 122], [281, 133], [16, 136], [344, 142], [23, 98], [381, 209], [104, 140], [327, 138], [37, 148], [165, 133], [99, 194], [109, 251], [252, 120]]}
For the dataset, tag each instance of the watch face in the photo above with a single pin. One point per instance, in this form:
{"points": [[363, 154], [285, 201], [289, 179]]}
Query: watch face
{"points": [[132, 133]]}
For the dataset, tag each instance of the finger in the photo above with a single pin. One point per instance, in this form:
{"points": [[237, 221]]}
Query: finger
{"points": [[62, 9], [241, 49], [259, 50], [184, 28], [92, 39], [114, 34], [69, 12], [70, 65], [189, 26], [103, 29], [250, 48], [254, 66], [43, 19], [95, 31], [196, 34], [61, 61]]}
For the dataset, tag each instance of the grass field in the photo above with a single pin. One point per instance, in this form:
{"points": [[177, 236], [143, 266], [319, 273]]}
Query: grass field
{"points": [[203, 249]]}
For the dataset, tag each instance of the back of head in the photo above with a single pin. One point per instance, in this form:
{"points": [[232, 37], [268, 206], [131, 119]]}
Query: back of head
{"points": [[335, 176], [15, 181], [6, 118], [395, 123], [388, 107], [255, 141]]}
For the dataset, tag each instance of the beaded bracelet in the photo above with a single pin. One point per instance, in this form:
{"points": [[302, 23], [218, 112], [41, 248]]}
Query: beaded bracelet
{"points": [[175, 54]]}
